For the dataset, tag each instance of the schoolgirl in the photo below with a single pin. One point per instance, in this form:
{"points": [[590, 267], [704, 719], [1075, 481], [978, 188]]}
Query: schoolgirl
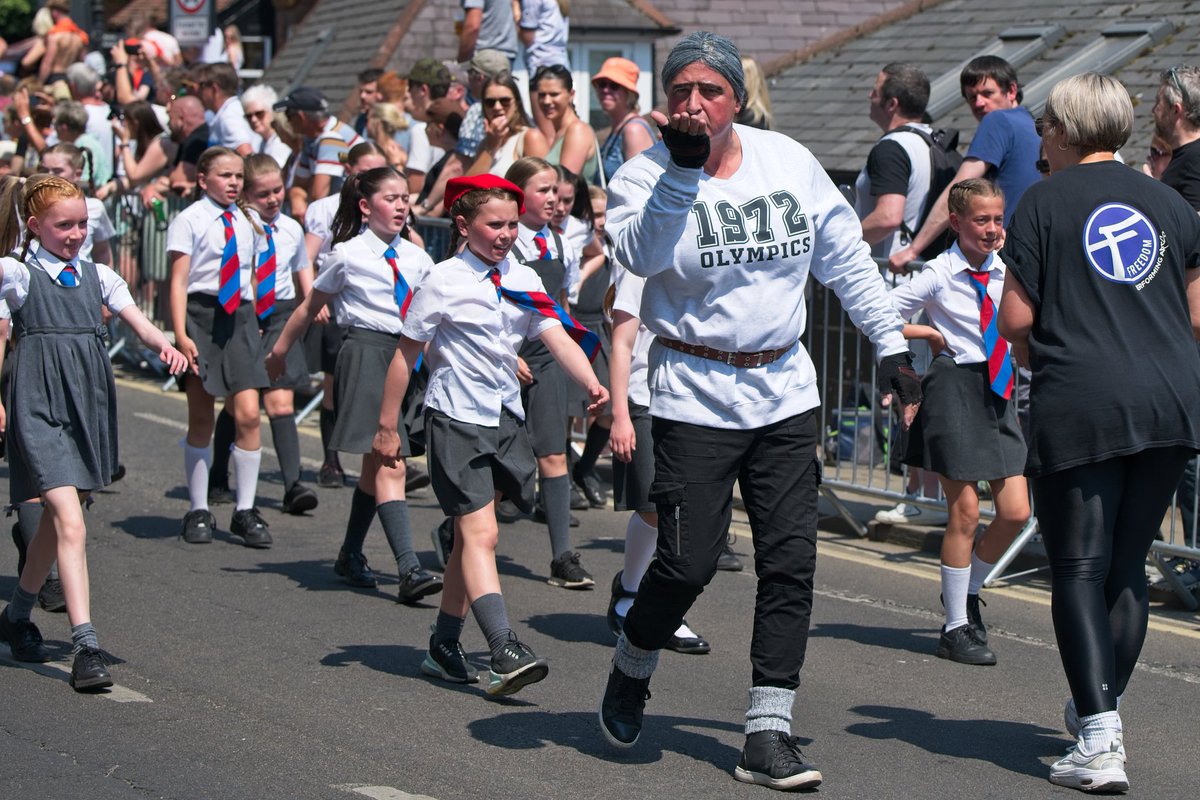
{"points": [[633, 453], [470, 315], [61, 402], [72, 163], [369, 276], [324, 341], [966, 430], [546, 394], [211, 248], [280, 265]]}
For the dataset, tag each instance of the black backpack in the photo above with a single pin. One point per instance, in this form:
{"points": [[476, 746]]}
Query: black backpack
{"points": [[944, 161]]}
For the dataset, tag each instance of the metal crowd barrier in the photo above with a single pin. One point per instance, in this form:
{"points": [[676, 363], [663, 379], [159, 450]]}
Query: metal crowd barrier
{"points": [[861, 439]]}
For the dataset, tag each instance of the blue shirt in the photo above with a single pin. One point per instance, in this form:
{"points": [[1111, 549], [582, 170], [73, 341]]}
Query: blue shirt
{"points": [[1007, 142]]}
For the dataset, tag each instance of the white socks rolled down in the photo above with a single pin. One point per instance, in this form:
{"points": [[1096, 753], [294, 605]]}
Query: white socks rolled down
{"points": [[1098, 732]]}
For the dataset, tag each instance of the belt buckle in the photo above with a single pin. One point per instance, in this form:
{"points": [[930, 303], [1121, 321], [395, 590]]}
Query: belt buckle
{"points": [[731, 359], [758, 360]]}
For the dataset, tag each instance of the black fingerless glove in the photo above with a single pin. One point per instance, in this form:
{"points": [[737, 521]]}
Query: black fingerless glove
{"points": [[686, 150], [896, 374]]}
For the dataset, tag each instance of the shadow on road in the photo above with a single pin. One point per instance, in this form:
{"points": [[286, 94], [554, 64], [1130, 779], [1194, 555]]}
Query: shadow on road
{"points": [[922, 641], [586, 628], [403, 661], [1014, 746], [150, 527]]}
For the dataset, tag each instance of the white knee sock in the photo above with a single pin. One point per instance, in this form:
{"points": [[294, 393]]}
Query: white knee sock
{"points": [[640, 542], [979, 572], [196, 462], [954, 595], [246, 464]]}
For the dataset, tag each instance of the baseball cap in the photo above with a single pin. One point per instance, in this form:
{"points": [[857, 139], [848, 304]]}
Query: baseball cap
{"points": [[303, 98], [490, 62], [430, 72]]}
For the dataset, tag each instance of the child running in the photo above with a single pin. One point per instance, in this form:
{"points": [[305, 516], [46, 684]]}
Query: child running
{"points": [[211, 246], [280, 265], [61, 402], [966, 430], [474, 310], [370, 276]]}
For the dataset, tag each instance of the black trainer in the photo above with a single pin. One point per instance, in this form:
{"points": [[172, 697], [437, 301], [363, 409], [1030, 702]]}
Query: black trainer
{"points": [[24, 639], [417, 583], [616, 622], [728, 560], [415, 478], [567, 572], [443, 542], [352, 568], [514, 668], [251, 527], [773, 759], [198, 526], [975, 619], [331, 476], [90, 671], [621, 708], [298, 499], [51, 598], [961, 645], [448, 662]]}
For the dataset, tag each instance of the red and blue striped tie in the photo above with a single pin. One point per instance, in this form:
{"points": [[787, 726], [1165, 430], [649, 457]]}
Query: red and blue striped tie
{"points": [[229, 292], [539, 239], [264, 299], [68, 276], [402, 292], [543, 304], [1000, 371]]}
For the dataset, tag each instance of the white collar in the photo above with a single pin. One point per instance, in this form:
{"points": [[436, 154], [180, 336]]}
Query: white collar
{"points": [[484, 269], [52, 264], [962, 265], [377, 246], [232, 208]]}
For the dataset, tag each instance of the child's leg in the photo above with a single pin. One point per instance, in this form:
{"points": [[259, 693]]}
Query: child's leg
{"points": [[392, 508], [474, 559], [67, 532], [247, 453], [1011, 496], [281, 413], [641, 539], [962, 501], [224, 434], [556, 499], [328, 418], [196, 456]]}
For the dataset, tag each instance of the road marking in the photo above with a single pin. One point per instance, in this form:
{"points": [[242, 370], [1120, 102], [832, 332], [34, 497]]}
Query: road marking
{"points": [[380, 792], [139, 386], [60, 671], [175, 424]]}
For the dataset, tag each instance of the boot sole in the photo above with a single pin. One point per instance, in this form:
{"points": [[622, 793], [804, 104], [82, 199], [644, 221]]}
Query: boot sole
{"points": [[433, 587], [434, 670], [1093, 780], [563, 583], [91, 684], [974, 662], [513, 682], [809, 779], [307, 502]]}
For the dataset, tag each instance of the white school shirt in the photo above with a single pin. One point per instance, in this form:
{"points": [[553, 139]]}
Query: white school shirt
{"points": [[363, 284], [199, 233], [569, 255], [228, 127], [629, 299], [290, 253], [727, 262], [99, 229], [945, 290], [474, 336], [423, 154], [318, 220], [14, 288]]}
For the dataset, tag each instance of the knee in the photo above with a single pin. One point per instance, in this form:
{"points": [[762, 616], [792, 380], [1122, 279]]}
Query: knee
{"points": [[481, 537], [1013, 514]]}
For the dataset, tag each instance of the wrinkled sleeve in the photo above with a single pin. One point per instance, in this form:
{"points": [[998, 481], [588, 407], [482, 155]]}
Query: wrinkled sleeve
{"points": [[648, 212]]}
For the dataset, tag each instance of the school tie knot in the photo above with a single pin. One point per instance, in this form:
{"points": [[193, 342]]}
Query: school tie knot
{"points": [[543, 249], [69, 276], [494, 275]]}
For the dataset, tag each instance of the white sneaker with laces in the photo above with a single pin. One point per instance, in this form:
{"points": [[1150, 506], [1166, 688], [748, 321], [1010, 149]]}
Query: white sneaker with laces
{"points": [[1104, 772], [903, 512]]}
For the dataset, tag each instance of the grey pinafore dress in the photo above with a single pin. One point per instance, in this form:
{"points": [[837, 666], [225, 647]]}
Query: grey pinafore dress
{"points": [[61, 400], [546, 400]]}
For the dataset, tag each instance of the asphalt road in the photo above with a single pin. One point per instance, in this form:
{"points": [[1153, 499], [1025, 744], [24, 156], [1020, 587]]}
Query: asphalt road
{"points": [[257, 674]]}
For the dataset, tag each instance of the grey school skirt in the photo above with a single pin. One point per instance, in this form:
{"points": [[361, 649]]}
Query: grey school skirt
{"points": [[547, 405], [964, 430], [631, 482], [579, 398], [469, 463], [231, 353], [362, 368], [295, 373]]}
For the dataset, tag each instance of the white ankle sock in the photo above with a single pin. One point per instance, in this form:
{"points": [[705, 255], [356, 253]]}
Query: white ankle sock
{"points": [[954, 595], [246, 464], [196, 462], [979, 572], [1098, 732], [684, 632]]}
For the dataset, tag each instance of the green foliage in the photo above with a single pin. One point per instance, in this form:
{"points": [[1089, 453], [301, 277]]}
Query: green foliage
{"points": [[16, 19]]}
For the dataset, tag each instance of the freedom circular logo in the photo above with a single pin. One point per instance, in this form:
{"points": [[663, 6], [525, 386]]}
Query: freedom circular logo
{"points": [[1120, 242]]}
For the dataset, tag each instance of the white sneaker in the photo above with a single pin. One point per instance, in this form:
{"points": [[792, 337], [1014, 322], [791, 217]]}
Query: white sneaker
{"points": [[903, 512], [1100, 773]]}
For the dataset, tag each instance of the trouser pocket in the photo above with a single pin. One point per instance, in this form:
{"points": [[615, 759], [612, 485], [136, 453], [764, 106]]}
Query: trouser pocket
{"points": [[669, 496]]}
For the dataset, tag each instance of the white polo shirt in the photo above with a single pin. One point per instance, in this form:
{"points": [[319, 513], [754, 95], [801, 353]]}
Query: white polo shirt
{"points": [[14, 288], [363, 284], [318, 220], [474, 336], [199, 233], [947, 293], [228, 127], [290, 254]]}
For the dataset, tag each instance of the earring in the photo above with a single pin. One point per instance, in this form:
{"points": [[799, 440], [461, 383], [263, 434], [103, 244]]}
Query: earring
{"points": [[1063, 147]]}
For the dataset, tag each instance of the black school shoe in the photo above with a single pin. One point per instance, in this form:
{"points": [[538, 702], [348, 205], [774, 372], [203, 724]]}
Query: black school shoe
{"points": [[298, 499], [415, 478], [962, 646], [417, 583], [514, 668], [773, 759], [589, 484], [24, 639], [51, 598], [448, 662], [975, 619], [198, 526], [728, 560], [353, 569], [621, 708], [567, 572], [689, 645], [251, 527], [331, 476], [90, 672]]}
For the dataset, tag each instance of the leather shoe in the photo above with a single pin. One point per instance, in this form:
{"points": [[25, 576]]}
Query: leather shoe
{"points": [[24, 639], [415, 478], [89, 672], [616, 622], [728, 560], [578, 501], [331, 476], [589, 484], [352, 568], [417, 583], [298, 499], [689, 645]]}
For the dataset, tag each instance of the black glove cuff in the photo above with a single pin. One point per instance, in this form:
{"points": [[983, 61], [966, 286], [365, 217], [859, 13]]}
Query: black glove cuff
{"points": [[896, 374], [686, 150]]}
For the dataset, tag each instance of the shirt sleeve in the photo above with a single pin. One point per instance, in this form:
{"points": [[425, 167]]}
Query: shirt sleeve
{"points": [[328, 162], [915, 294], [316, 223], [332, 277], [236, 131], [648, 213], [993, 139], [180, 236], [299, 259], [420, 155], [888, 168], [104, 227], [530, 12], [424, 313], [629, 295], [14, 287], [113, 289]]}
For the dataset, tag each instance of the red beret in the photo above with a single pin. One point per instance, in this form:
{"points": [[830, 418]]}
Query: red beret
{"points": [[457, 187]]}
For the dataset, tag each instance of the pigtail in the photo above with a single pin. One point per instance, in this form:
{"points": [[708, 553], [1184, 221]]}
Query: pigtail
{"points": [[38, 194], [242, 206], [348, 220], [10, 218]]}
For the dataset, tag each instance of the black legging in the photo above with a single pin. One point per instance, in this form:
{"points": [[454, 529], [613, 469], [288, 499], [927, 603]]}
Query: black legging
{"points": [[1098, 521]]}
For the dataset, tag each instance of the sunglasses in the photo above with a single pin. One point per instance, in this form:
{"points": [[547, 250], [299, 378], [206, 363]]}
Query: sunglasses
{"points": [[253, 115], [503, 102], [1038, 126], [1174, 76], [605, 85]]}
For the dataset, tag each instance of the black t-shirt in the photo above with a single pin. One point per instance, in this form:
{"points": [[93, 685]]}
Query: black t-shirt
{"points": [[888, 168], [195, 144], [1183, 172], [1102, 251]]}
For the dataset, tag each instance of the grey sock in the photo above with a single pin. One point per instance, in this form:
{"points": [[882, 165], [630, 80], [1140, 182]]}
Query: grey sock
{"points": [[287, 448], [21, 607], [633, 660], [394, 516], [83, 635], [448, 628], [29, 517], [328, 419], [556, 497], [492, 616], [362, 514], [770, 709], [224, 434]]}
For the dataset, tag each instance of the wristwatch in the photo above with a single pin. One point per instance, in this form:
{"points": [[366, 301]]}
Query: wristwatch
{"points": [[25, 120]]}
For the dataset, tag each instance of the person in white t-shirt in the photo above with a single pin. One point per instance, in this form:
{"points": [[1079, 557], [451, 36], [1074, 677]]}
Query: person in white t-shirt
{"points": [[726, 241], [227, 128]]}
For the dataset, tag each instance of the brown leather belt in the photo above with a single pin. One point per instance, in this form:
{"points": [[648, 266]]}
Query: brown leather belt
{"points": [[738, 360]]}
